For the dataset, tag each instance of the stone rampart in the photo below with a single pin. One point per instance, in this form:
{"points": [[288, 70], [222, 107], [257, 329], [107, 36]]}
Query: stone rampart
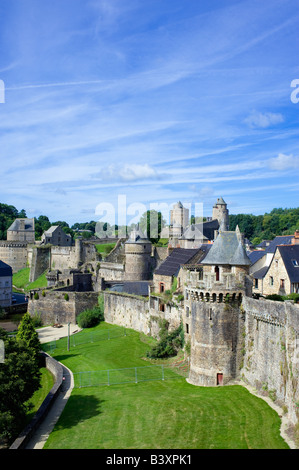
{"points": [[15, 254], [40, 261], [271, 360], [139, 314], [59, 306]]}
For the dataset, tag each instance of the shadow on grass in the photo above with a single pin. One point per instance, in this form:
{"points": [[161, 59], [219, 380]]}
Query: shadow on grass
{"points": [[78, 409], [62, 357]]}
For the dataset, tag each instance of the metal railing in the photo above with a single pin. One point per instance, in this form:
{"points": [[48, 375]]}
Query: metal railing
{"points": [[128, 375]]}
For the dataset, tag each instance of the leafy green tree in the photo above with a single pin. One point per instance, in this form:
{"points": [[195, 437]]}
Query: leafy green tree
{"points": [[19, 379], [27, 335], [151, 223]]}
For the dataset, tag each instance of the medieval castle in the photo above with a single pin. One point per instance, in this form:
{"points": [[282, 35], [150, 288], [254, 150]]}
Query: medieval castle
{"points": [[232, 332]]}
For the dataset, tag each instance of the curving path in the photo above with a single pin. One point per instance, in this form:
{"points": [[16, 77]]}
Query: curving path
{"points": [[42, 433]]}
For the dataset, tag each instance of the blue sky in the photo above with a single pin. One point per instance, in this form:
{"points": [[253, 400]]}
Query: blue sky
{"points": [[156, 101]]}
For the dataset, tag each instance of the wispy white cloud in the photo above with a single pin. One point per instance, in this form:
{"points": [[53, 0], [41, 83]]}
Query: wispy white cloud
{"points": [[284, 162], [263, 120]]}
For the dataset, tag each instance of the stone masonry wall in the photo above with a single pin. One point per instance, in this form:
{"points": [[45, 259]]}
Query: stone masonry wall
{"points": [[54, 308], [14, 254], [40, 262], [216, 331], [139, 314], [271, 360]]}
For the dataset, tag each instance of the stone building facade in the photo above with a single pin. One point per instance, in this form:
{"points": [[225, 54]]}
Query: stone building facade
{"points": [[5, 285], [56, 236], [22, 230]]}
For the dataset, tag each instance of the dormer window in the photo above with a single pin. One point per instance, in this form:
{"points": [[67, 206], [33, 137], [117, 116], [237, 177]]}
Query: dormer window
{"points": [[295, 263]]}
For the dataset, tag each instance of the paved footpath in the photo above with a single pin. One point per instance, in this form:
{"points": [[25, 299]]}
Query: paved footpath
{"points": [[42, 433]]}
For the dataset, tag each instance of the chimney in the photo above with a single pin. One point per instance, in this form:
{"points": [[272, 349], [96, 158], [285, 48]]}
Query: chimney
{"points": [[295, 240]]}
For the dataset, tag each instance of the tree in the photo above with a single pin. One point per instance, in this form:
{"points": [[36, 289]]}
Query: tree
{"points": [[22, 214], [28, 336], [151, 223], [19, 379]]}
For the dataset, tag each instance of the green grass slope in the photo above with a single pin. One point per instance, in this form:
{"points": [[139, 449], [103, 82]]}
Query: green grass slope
{"points": [[170, 414]]}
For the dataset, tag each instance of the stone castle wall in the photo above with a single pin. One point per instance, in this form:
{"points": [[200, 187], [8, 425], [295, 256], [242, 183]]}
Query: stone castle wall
{"points": [[40, 261], [271, 360], [15, 254], [138, 313], [54, 308]]}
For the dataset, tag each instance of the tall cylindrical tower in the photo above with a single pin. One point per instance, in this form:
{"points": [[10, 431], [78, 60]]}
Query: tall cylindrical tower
{"points": [[138, 250], [220, 213]]}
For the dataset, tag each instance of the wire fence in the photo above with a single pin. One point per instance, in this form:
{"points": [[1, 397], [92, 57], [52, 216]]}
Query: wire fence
{"points": [[128, 375], [87, 337]]}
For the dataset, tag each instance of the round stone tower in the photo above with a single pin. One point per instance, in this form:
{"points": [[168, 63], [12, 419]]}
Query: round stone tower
{"points": [[138, 250], [220, 212], [214, 297]]}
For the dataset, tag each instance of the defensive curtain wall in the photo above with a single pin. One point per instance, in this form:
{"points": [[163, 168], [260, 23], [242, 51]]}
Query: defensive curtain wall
{"points": [[60, 306], [257, 341], [140, 314], [15, 254], [271, 350]]}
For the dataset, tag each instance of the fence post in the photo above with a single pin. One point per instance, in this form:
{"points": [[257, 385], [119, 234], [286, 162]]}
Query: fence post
{"points": [[80, 379]]}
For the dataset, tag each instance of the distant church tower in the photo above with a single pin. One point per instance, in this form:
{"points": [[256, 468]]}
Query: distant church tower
{"points": [[220, 212]]}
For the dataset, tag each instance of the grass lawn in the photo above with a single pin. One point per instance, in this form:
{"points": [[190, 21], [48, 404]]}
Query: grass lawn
{"points": [[21, 280], [47, 382], [104, 248], [170, 414]]}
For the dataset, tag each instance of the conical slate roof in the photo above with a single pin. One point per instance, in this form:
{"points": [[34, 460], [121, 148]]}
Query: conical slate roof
{"points": [[137, 236], [220, 200], [228, 249]]}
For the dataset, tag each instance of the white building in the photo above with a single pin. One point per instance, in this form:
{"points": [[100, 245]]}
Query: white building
{"points": [[5, 285]]}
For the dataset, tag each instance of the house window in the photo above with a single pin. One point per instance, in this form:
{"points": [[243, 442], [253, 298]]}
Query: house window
{"points": [[187, 328], [162, 287], [217, 272], [295, 263], [187, 311], [282, 283], [256, 283], [271, 281]]}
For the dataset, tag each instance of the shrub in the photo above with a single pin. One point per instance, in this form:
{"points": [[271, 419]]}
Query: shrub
{"points": [[36, 296], [169, 343], [36, 320], [66, 297], [276, 297], [90, 317]]}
